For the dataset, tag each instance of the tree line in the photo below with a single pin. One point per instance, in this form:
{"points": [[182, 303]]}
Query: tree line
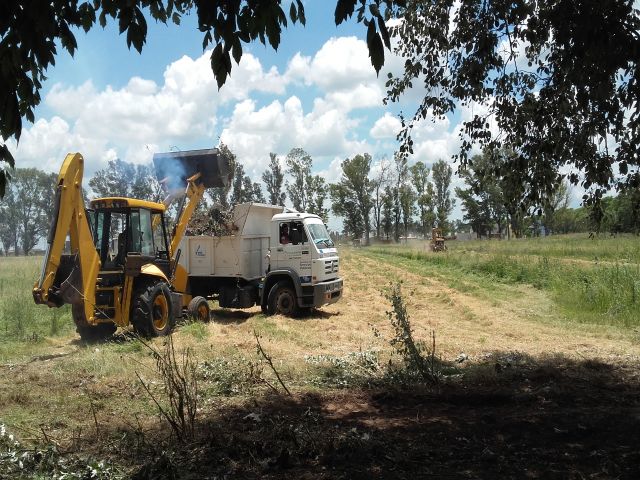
{"points": [[388, 198]]}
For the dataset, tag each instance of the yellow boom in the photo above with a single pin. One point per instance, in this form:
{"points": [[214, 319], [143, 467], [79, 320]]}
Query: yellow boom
{"points": [[69, 218]]}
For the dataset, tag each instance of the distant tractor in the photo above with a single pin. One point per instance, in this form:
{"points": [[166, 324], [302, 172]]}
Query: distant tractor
{"points": [[437, 240]]}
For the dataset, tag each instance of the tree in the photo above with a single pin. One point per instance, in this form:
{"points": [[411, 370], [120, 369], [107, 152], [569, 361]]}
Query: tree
{"points": [[220, 195], [273, 178], [124, 179], [30, 38], [425, 196], [442, 172], [317, 192], [401, 180], [557, 81], [387, 212], [9, 221], [27, 209], [299, 168], [378, 183], [407, 198], [351, 196], [483, 201]]}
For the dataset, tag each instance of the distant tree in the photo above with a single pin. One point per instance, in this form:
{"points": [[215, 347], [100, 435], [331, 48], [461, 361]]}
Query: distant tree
{"points": [[387, 212], [219, 196], [425, 196], [27, 209], [125, 179], [273, 178], [442, 173], [317, 192], [299, 165], [401, 180], [351, 196], [558, 200], [344, 205], [483, 200], [379, 183], [9, 221], [407, 199]]}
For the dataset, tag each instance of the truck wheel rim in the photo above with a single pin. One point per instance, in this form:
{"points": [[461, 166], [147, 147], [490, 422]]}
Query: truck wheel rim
{"points": [[285, 303], [203, 312], [160, 312]]}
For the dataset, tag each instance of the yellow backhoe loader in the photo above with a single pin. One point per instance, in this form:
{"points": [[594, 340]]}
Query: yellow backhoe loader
{"points": [[123, 267]]}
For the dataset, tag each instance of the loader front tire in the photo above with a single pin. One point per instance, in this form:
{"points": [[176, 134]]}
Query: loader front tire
{"points": [[152, 313], [199, 309], [90, 333]]}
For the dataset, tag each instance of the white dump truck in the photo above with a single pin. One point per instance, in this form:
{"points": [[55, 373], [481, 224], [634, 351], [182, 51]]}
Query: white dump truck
{"points": [[279, 259]]}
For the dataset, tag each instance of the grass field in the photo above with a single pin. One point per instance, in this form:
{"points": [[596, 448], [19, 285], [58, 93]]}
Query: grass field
{"points": [[537, 344]]}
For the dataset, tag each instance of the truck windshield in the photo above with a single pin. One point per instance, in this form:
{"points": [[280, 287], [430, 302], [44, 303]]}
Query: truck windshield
{"points": [[319, 234]]}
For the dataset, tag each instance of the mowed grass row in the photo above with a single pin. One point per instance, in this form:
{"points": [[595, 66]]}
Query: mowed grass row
{"points": [[620, 249], [22, 322], [605, 294]]}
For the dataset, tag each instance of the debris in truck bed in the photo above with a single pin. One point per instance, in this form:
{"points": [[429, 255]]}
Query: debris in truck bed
{"points": [[215, 221]]}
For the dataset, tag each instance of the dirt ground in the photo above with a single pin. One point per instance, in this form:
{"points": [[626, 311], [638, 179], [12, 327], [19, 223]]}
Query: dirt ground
{"points": [[528, 396]]}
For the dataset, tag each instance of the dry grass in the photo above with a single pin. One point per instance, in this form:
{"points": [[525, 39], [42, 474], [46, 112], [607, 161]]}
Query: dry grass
{"points": [[60, 388]]}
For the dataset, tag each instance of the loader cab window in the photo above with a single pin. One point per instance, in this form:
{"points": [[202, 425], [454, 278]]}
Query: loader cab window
{"points": [[140, 233], [159, 235], [109, 236]]}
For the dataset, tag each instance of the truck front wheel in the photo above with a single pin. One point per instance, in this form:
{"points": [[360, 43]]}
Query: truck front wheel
{"points": [[282, 299], [152, 313]]}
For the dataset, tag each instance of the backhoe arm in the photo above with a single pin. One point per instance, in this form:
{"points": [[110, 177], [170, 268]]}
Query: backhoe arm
{"points": [[69, 278], [192, 196]]}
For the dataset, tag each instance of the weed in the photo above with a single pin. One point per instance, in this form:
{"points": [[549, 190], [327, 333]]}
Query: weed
{"points": [[412, 354], [180, 385]]}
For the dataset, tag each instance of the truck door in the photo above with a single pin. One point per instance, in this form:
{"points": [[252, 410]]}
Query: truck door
{"points": [[293, 250]]}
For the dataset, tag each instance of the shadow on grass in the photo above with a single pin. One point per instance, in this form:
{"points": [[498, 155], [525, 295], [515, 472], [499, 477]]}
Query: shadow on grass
{"points": [[507, 416]]}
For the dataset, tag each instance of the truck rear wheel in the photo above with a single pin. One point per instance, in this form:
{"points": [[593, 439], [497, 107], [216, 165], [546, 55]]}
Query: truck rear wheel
{"points": [[152, 313], [199, 309], [282, 299]]}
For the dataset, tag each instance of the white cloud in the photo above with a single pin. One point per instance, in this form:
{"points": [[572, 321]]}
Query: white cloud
{"points": [[142, 117], [386, 126]]}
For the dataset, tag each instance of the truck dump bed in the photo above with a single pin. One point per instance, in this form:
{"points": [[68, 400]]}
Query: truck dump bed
{"points": [[242, 254]]}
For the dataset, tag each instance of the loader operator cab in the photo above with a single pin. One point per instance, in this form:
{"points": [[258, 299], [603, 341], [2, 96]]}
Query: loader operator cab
{"points": [[124, 226]]}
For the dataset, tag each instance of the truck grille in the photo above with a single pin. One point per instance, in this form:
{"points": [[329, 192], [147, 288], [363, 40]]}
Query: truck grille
{"points": [[331, 266]]}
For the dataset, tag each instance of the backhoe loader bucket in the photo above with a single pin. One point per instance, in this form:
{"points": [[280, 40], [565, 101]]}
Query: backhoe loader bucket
{"points": [[176, 167]]}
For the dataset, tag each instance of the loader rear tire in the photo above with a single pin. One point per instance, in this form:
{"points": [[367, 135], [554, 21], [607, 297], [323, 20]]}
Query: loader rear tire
{"points": [[152, 314]]}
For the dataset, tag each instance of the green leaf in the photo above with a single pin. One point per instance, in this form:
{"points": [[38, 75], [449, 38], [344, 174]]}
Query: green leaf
{"points": [[344, 9], [5, 156], [293, 13], [301, 16], [376, 48], [384, 32], [236, 49]]}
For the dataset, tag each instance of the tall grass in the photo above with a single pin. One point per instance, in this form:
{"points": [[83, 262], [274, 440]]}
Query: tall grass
{"points": [[21, 320], [601, 293], [622, 248]]}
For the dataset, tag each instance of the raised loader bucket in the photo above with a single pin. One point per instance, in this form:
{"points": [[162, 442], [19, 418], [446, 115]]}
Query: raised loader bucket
{"points": [[176, 167]]}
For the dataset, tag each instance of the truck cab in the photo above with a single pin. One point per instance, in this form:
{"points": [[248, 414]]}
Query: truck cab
{"points": [[303, 255]]}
